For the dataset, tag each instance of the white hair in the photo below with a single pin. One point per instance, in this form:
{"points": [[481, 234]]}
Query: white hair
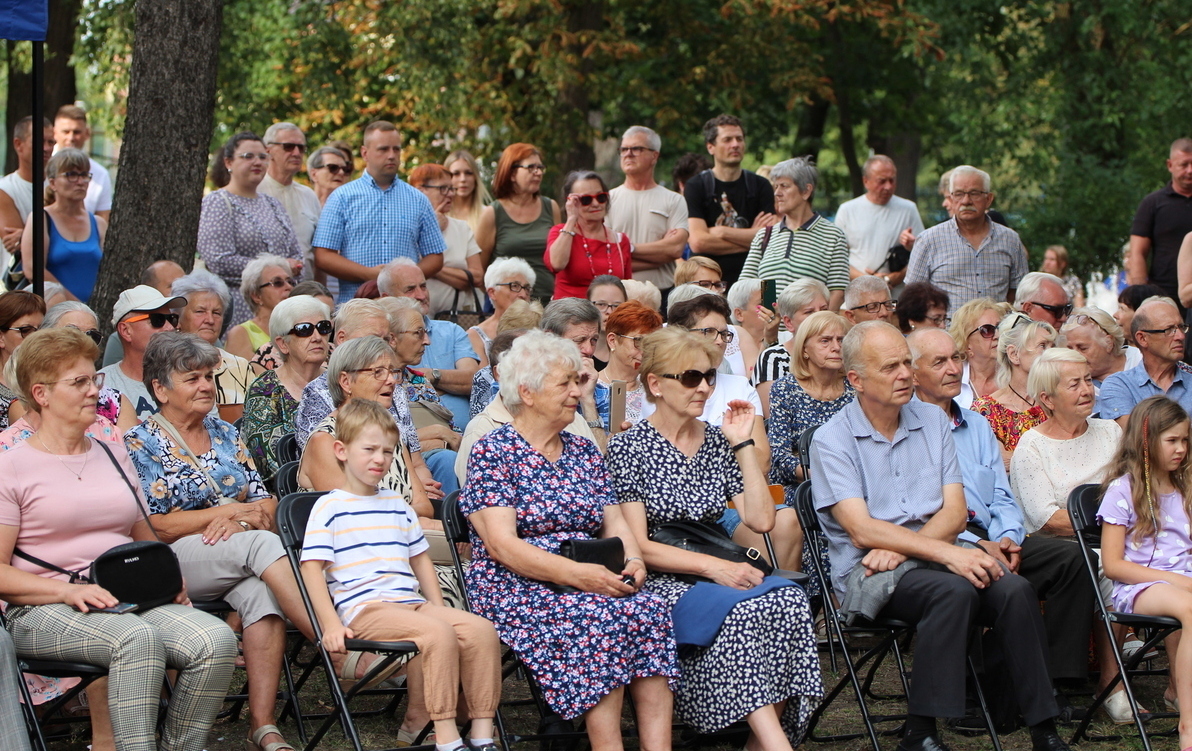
{"points": [[351, 315], [1045, 374], [864, 285], [653, 140], [1105, 329], [395, 307], [965, 169], [739, 294], [250, 278], [292, 310], [530, 360], [385, 277], [272, 131], [646, 293], [54, 314], [685, 292], [799, 293], [503, 269], [1030, 285], [1014, 331], [200, 281], [852, 349]]}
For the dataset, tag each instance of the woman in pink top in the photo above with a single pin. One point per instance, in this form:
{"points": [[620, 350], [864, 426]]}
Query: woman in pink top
{"points": [[43, 481]]}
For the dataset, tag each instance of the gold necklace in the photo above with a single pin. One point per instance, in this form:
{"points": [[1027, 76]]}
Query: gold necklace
{"points": [[78, 475]]}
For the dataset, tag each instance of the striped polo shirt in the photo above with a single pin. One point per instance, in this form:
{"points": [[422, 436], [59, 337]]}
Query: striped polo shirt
{"points": [[817, 249], [367, 542]]}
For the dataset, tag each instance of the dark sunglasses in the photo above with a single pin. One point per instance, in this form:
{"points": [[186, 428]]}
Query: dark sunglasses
{"points": [[587, 198], [156, 320], [279, 282], [986, 330], [305, 330], [92, 334], [690, 379], [300, 147], [1059, 311], [335, 169]]}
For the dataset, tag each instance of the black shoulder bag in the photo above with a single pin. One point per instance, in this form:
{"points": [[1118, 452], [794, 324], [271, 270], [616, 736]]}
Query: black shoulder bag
{"points": [[144, 573], [709, 539]]}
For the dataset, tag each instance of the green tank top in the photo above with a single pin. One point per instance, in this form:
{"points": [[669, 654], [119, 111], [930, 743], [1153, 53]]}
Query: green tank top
{"points": [[256, 336], [528, 242]]}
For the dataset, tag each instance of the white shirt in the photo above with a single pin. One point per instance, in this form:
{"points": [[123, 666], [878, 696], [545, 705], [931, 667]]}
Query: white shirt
{"points": [[99, 192], [645, 216], [20, 191], [303, 208], [873, 229], [461, 245]]}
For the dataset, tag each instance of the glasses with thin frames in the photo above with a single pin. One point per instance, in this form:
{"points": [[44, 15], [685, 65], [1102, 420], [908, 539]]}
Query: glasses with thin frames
{"points": [[420, 333], [635, 150], [156, 320], [299, 147], [690, 379], [1169, 331], [940, 321], [727, 335], [305, 330], [250, 156], [80, 382], [718, 286], [76, 177], [637, 340], [972, 195], [873, 307], [24, 331], [609, 306], [279, 282], [444, 190], [539, 168], [379, 374]]}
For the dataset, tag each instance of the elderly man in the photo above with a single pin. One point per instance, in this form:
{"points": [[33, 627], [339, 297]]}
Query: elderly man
{"points": [[889, 488], [579, 321], [1042, 297], [969, 256], [16, 188], [1159, 331], [1053, 566], [654, 218], [878, 221], [867, 298], [449, 361], [138, 314], [286, 144], [1161, 222], [376, 218], [71, 132]]}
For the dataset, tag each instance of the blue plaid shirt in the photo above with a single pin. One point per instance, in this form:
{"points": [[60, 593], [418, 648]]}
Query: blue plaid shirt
{"points": [[943, 257], [371, 226]]}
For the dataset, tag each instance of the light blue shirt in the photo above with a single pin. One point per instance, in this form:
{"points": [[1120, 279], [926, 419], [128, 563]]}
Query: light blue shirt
{"points": [[991, 504], [946, 259], [448, 345], [1122, 391]]}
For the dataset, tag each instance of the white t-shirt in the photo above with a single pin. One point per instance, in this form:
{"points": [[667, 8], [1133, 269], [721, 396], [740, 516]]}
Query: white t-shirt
{"points": [[303, 208], [645, 216], [728, 388], [99, 192], [20, 191], [873, 229], [461, 245]]}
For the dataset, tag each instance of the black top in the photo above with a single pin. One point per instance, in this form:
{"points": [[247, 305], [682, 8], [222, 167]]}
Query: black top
{"points": [[1164, 217], [746, 197]]}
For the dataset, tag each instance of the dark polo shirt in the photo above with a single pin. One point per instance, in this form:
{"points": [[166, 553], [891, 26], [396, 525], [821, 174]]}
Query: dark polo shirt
{"points": [[1164, 217]]}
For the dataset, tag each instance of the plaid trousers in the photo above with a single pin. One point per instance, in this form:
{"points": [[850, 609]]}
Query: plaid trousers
{"points": [[12, 722]]}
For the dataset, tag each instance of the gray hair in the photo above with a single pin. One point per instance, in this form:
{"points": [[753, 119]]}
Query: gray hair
{"points": [[800, 170], [653, 140], [201, 280], [1141, 319], [569, 311], [55, 314], [913, 338], [355, 354], [315, 160], [1044, 377], [351, 314], [503, 268], [799, 293], [250, 278], [685, 292], [272, 131], [644, 292], [862, 286], [1030, 285], [395, 306], [852, 349], [173, 352], [530, 360], [965, 169], [1104, 329], [874, 160], [292, 310], [1015, 330], [385, 277], [739, 294]]}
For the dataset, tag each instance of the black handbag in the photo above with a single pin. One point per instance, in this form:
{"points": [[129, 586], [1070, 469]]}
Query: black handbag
{"points": [[709, 539], [897, 258], [465, 319], [608, 552]]}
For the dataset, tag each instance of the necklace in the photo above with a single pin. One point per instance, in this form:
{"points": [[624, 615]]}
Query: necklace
{"points": [[78, 475], [1020, 396], [608, 250]]}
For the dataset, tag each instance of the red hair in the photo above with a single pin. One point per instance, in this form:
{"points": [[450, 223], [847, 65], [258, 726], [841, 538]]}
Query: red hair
{"points": [[513, 153], [423, 174], [632, 316]]}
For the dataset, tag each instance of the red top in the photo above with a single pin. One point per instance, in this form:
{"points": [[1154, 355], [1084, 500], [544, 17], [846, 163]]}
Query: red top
{"points": [[590, 257]]}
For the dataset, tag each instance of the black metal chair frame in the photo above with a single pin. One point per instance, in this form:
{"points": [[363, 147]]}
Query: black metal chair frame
{"points": [[287, 449], [286, 479], [1083, 502]]}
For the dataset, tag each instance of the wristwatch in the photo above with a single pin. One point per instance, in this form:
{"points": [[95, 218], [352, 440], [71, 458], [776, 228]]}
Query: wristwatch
{"points": [[435, 376]]}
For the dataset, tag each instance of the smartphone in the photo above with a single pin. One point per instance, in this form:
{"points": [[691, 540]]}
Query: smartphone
{"points": [[769, 293], [124, 607], [616, 410]]}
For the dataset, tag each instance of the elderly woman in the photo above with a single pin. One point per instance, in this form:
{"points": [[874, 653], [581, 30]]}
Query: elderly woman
{"points": [[606, 292], [584, 247], [703, 271], [974, 329], [454, 287], [1093, 333], [800, 299], [238, 224], [755, 325], [21, 314], [266, 357], [265, 282], [624, 330], [207, 300], [1010, 410], [206, 499], [583, 648], [516, 224], [51, 617], [73, 236], [470, 194], [675, 467], [328, 168], [301, 331], [803, 245], [506, 280], [521, 317], [1055, 262], [922, 304]]}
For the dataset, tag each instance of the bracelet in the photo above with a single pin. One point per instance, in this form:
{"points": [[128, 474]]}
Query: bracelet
{"points": [[594, 424], [566, 232], [634, 558], [743, 444]]}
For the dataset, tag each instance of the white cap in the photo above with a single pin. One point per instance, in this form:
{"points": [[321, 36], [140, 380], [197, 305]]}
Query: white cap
{"points": [[142, 298]]}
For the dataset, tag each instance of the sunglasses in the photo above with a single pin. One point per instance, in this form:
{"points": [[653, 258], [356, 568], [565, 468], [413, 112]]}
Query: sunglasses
{"points": [[690, 379], [24, 331], [299, 147], [1059, 311], [587, 198], [279, 282], [1083, 319], [306, 330], [156, 320], [986, 330], [335, 169], [92, 334]]}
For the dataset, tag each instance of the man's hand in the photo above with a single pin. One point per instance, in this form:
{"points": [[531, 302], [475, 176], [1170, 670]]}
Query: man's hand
{"points": [[11, 237], [878, 560], [587, 379], [980, 568], [907, 239], [765, 219]]}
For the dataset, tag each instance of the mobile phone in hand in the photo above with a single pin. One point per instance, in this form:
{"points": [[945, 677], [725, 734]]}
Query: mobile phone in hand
{"points": [[123, 607]]}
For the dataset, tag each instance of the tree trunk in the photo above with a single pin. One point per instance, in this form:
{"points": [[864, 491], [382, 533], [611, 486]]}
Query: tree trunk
{"points": [[163, 160], [580, 154], [904, 148]]}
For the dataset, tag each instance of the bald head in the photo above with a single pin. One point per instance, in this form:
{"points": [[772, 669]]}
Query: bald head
{"points": [[161, 275], [877, 362]]}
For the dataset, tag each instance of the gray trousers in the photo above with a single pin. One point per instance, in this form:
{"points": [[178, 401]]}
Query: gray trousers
{"points": [[12, 721], [231, 570]]}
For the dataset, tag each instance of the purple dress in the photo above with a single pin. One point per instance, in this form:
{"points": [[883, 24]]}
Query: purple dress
{"points": [[582, 646], [1169, 550]]}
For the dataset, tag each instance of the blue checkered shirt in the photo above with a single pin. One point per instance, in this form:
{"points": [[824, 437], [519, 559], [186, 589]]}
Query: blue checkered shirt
{"points": [[943, 257], [371, 226]]}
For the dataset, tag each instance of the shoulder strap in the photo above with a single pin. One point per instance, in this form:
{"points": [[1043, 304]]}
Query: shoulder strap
{"points": [[135, 499], [187, 454], [74, 575], [766, 237]]}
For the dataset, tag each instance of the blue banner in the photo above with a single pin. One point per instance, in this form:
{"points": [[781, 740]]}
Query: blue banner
{"points": [[24, 19]]}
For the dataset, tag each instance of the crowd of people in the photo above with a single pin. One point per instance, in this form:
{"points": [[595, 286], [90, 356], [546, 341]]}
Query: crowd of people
{"points": [[590, 368]]}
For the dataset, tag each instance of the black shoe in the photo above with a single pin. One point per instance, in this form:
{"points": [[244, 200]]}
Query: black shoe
{"points": [[1069, 713], [932, 743], [1049, 742]]}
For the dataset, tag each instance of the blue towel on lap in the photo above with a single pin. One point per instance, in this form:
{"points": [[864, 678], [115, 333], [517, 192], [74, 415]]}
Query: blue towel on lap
{"points": [[699, 614]]}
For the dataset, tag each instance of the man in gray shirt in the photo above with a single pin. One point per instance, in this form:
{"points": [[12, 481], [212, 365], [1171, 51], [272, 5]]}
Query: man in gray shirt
{"points": [[889, 490]]}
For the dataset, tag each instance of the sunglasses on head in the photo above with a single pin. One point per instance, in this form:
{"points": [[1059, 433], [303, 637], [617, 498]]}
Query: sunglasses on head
{"points": [[986, 330], [305, 330], [587, 198], [156, 320], [690, 379]]}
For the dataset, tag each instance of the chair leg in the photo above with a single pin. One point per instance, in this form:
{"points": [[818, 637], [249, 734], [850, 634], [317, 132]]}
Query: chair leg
{"points": [[36, 739], [997, 743], [1104, 694]]}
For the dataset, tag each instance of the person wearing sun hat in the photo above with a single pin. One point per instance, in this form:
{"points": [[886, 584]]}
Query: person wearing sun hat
{"points": [[138, 314]]}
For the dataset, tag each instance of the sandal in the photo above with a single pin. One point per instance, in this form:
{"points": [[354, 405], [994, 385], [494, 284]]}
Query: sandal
{"points": [[254, 740], [406, 738], [347, 673]]}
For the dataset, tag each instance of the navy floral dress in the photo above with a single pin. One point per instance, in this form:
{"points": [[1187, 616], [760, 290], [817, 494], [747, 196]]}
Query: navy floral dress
{"points": [[581, 646], [752, 662]]}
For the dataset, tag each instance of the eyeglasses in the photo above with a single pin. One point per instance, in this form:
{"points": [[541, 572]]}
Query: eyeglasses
{"points": [[710, 333], [443, 189], [80, 382], [299, 147], [24, 331], [379, 374], [76, 177], [514, 287], [249, 156], [873, 307], [609, 306], [986, 330], [1059, 311], [718, 286], [156, 320], [306, 329], [1169, 331], [279, 282], [531, 167], [973, 195], [1083, 319], [420, 333], [690, 379], [587, 198], [635, 150], [940, 321], [637, 340], [92, 334], [1021, 318], [335, 169]]}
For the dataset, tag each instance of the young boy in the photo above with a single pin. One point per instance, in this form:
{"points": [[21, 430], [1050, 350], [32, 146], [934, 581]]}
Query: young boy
{"points": [[365, 562]]}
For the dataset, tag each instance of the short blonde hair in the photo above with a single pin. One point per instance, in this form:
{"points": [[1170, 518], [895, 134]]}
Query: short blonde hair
{"points": [[964, 320], [1045, 373], [668, 350], [685, 270], [47, 354], [1015, 331], [358, 414], [644, 292], [814, 325], [520, 315]]}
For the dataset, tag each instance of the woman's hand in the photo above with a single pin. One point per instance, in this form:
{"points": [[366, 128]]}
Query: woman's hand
{"points": [[253, 514], [738, 421], [182, 598], [637, 569], [296, 267], [574, 208], [220, 529], [84, 597], [334, 636], [771, 322], [735, 575], [592, 577]]}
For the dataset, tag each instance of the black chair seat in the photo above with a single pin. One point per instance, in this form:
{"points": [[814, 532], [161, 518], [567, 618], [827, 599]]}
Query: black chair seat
{"points": [[58, 669], [212, 606], [1143, 621]]}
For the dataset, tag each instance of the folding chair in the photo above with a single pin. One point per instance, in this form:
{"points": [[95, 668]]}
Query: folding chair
{"points": [[292, 513], [1083, 502], [805, 450], [286, 479], [287, 449]]}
